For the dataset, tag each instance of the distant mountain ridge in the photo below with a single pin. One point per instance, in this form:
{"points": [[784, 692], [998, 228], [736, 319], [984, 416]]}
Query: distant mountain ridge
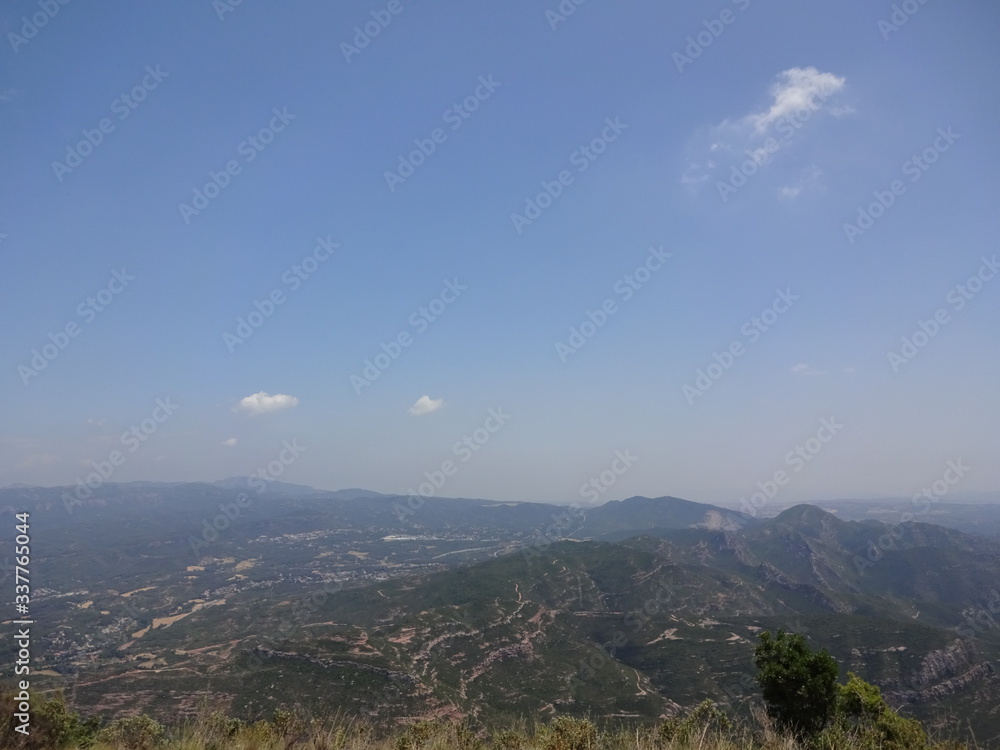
{"points": [[275, 487], [632, 628], [619, 519]]}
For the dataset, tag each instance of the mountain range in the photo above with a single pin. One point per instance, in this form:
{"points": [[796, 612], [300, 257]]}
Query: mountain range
{"points": [[162, 597]]}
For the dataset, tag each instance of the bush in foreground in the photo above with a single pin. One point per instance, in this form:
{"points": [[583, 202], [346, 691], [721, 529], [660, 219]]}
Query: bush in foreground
{"points": [[860, 720], [798, 684]]}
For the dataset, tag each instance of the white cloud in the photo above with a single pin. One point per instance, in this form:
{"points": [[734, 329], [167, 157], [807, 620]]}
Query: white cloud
{"points": [[809, 181], [803, 369], [264, 403], [425, 405], [797, 95], [842, 110], [230, 442], [97, 422], [695, 175], [796, 89]]}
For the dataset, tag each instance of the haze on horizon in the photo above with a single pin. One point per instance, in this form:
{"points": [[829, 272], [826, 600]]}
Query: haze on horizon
{"points": [[516, 249]]}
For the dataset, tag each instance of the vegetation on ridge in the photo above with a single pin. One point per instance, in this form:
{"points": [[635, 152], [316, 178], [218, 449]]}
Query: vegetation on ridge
{"points": [[805, 710]]}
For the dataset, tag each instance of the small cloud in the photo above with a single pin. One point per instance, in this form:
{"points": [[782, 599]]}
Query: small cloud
{"points": [[796, 89], [695, 175], [264, 403], [97, 422], [425, 405], [810, 181], [797, 94], [8, 94], [230, 442], [849, 371], [803, 369]]}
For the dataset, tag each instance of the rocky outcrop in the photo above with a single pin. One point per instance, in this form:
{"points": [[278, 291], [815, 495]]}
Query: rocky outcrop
{"points": [[944, 672], [771, 574]]}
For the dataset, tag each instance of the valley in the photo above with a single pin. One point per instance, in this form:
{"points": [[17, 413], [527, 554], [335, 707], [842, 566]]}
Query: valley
{"points": [[490, 611]]}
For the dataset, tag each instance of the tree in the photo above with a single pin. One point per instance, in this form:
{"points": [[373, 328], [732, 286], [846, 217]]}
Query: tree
{"points": [[862, 710], [799, 685]]}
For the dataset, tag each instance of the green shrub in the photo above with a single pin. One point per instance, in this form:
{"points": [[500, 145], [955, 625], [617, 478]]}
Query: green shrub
{"points": [[863, 713], [417, 735], [52, 724], [465, 738], [133, 733], [704, 719], [283, 721], [567, 733], [510, 739], [799, 685]]}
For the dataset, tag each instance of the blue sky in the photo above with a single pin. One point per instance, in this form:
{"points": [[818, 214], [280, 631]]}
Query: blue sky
{"points": [[817, 111]]}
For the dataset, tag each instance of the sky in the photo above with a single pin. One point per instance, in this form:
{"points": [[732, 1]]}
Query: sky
{"points": [[531, 251]]}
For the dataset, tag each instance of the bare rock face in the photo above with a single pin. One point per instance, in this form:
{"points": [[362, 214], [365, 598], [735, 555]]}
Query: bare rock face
{"points": [[771, 574], [944, 672], [716, 521]]}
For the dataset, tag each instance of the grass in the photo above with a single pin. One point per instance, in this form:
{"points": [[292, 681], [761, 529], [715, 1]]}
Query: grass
{"points": [[702, 728]]}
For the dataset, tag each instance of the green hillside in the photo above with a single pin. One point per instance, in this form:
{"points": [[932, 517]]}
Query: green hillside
{"points": [[633, 631]]}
